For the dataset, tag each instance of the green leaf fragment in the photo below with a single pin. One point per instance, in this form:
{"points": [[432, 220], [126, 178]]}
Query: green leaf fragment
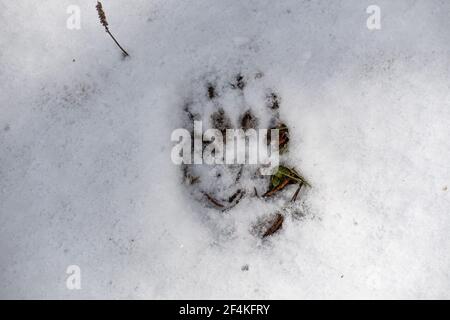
{"points": [[276, 180], [290, 173]]}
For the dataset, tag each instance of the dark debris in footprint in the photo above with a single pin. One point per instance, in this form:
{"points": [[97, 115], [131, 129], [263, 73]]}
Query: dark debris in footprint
{"points": [[273, 101], [248, 121], [239, 82], [282, 178], [221, 121], [211, 91], [269, 225], [275, 225]]}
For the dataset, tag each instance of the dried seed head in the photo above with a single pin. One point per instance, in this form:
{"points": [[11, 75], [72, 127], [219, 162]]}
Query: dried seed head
{"points": [[101, 14]]}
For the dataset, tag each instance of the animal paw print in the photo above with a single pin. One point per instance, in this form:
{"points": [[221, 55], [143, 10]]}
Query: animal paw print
{"points": [[239, 103]]}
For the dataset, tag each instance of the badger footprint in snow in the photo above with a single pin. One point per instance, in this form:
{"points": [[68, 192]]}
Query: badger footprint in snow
{"points": [[229, 109]]}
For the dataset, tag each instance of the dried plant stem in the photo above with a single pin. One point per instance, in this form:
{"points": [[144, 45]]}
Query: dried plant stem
{"points": [[294, 197], [118, 44], [104, 22], [281, 186], [275, 225]]}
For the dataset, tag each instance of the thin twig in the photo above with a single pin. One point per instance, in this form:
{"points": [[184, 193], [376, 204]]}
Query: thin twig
{"points": [[279, 187], [294, 197], [123, 50], [213, 200], [276, 225]]}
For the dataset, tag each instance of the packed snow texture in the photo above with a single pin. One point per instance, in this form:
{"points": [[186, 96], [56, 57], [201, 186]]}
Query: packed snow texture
{"points": [[85, 171]]}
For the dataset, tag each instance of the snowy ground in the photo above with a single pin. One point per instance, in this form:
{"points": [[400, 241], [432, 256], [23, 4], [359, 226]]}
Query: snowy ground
{"points": [[85, 171]]}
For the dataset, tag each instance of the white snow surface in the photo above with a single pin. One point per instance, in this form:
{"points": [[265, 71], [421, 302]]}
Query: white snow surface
{"points": [[85, 171]]}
